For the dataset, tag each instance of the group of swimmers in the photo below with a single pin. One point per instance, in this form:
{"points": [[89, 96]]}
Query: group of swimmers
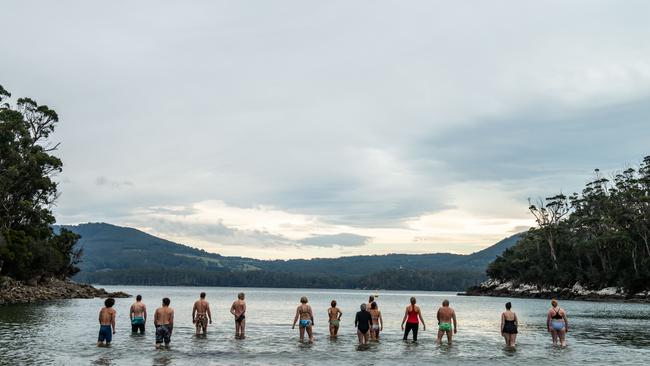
{"points": [[368, 321]]}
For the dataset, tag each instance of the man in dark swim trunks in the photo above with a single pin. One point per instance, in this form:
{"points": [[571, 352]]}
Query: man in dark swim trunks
{"points": [[238, 310], [106, 321], [363, 322], [164, 321], [138, 315]]}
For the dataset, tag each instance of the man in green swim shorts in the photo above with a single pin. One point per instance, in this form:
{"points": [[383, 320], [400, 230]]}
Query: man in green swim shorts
{"points": [[446, 317]]}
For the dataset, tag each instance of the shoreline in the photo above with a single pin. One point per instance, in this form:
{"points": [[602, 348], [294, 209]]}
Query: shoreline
{"points": [[495, 288], [14, 292]]}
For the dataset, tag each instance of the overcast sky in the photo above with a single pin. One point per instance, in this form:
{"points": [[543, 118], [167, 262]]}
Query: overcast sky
{"points": [[285, 129]]}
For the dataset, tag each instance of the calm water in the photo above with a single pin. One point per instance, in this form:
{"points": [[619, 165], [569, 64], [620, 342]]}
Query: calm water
{"points": [[65, 332]]}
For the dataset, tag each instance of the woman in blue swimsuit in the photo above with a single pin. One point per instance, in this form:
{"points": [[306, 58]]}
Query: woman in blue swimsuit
{"points": [[306, 317], [557, 323]]}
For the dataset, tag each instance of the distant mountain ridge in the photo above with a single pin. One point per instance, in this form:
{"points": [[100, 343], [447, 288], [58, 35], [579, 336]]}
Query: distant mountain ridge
{"points": [[127, 256]]}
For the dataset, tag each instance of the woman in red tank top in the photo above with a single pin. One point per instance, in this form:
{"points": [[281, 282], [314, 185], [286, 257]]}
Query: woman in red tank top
{"points": [[412, 317]]}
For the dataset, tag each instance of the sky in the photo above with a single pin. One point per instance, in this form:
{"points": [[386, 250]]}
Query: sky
{"points": [[301, 129]]}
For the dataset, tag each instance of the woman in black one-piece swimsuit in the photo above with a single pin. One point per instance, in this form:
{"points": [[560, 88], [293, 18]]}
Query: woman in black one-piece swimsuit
{"points": [[509, 326]]}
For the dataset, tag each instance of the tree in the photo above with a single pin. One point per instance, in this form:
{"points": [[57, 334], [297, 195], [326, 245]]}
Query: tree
{"points": [[27, 192]]}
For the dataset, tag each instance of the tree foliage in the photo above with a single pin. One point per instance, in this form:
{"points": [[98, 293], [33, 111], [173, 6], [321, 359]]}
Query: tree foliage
{"points": [[599, 238], [29, 248]]}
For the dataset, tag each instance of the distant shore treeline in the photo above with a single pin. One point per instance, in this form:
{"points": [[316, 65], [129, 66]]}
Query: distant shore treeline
{"points": [[598, 238], [394, 279]]}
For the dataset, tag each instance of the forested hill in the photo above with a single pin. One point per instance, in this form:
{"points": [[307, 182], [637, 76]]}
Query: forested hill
{"points": [[597, 238], [126, 256]]}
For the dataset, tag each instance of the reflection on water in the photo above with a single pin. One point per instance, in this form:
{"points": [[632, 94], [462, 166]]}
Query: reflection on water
{"points": [[65, 332]]}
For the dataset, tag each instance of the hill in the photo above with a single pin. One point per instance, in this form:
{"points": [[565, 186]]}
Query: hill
{"points": [[126, 256]]}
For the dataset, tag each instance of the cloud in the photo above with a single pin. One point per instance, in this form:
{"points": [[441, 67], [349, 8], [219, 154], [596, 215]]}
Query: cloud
{"points": [[424, 127], [342, 239], [104, 181]]}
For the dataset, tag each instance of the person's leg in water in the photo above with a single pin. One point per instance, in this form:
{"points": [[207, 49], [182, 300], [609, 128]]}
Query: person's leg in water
{"points": [[562, 336], [450, 336], [415, 332], [439, 337], [366, 337], [310, 334], [302, 334], [407, 330], [513, 340], [242, 329], [554, 336]]}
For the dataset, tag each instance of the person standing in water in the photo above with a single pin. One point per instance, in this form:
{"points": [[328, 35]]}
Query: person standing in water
{"points": [[138, 315], [412, 317], [306, 317], [377, 321], [363, 322], [509, 326], [446, 316], [557, 323], [164, 321], [334, 315], [106, 321], [238, 310], [371, 299], [201, 314]]}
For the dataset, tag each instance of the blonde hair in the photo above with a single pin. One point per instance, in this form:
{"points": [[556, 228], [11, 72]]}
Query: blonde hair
{"points": [[303, 299], [554, 303]]}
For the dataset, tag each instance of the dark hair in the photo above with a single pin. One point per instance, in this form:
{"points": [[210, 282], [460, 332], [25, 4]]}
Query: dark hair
{"points": [[412, 300], [109, 302], [166, 301], [202, 295], [373, 305], [333, 303], [371, 298], [138, 298], [445, 302], [508, 305]]}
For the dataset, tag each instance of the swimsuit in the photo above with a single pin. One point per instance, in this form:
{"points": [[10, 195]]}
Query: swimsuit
{"points": [[163, 333], [557, 320], [412, 324], [335, 322], [105, 334], [362, 321], [137, 324], [509, 327], [445, 327], [375, 327], [304, 323], [240, 318], [201, 320]]}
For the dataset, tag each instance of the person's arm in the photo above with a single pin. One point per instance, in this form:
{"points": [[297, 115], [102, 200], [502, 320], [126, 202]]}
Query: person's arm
{"points": [[406, 314], [453, 317], [113, 320], [244, 308], [171, 322], [566, 321], [311, 315], [99, 318], [356, 320], [144, 308], [155, 318], [194, 313], [340, 313], [516, 321], [438, 316], [381, 322], [503, 315], [232, 309], [295, 319], [548, 321], [424, 326], [131, 313], [209, 314]]}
